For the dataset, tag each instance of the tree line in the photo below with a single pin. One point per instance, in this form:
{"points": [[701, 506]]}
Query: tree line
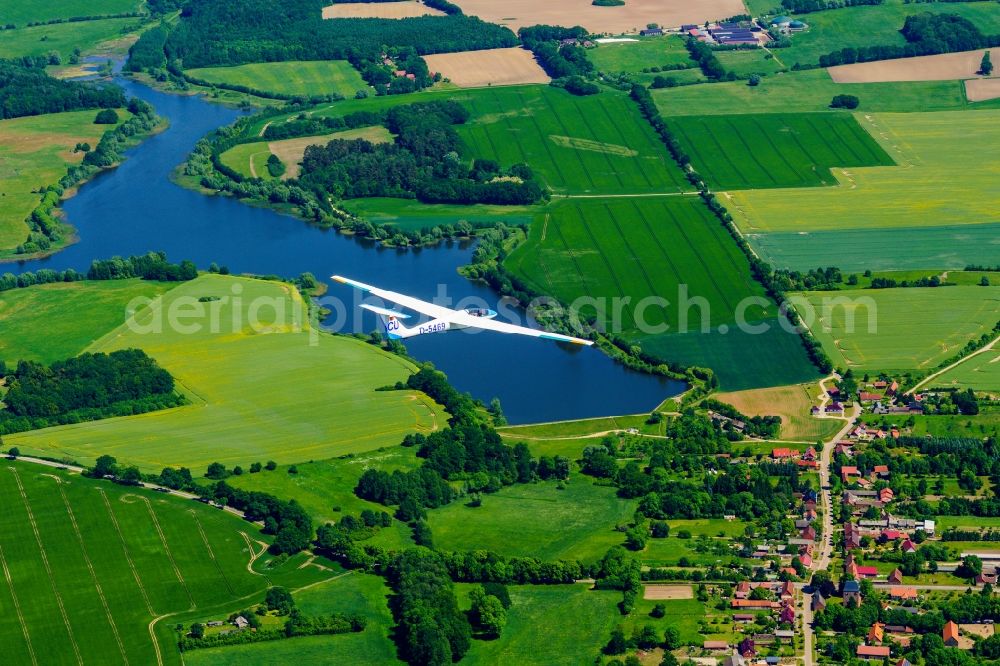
{"points": [[152, 266], [85, 388], [808, 6], [27, 90], [557, 59], [926, 34]]}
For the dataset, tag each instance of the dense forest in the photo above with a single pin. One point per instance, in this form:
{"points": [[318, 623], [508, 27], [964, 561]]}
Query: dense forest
{"points": [[423, 162], [85, 388], [557, 59], [26, 90], [926, 34], [244, 31]]}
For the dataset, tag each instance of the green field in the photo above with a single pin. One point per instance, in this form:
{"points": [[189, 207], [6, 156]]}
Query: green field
{"points": [[635, 56], [20, 12], [550, 624], [953, 247], [35, 152], [62, 38], [322, 485], [901, 329], [303, 78], [275, 390], [811, 91], [658, 247], [72, 314], [981, 373], [536, 520], [749, 61], [775, 150], [836, 29], [579, 145], [411, 215], [984, 424], [355, 593], [248, 159], [930, 197], [89, 565]]}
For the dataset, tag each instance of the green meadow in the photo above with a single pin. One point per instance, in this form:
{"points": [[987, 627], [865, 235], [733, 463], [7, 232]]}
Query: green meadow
{"points": [[662, 247], [355, 593], [640, 54], [35, 152], [325, 488], [775, 150], [248, 159], [811, 91], [981, 372], [261, 382], [62, 38], [899, 329], [984, 424], [536, 520], [73, 315], [295, 77], [20, 12], [836, 29], [549, 624], [411, 215], [750, 61], [90, 565], [931, 204]]}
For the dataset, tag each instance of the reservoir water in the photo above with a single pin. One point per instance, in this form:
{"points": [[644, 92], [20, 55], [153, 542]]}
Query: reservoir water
{"points": [[136, 208]]}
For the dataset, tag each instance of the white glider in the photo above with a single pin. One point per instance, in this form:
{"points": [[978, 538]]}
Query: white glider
{"points": [[442, 318]]}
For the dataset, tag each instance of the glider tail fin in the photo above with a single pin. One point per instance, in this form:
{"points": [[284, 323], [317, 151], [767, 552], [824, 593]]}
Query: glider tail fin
{"points": [[394, 328]]}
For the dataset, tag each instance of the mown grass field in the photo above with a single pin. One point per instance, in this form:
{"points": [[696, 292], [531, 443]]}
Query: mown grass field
{"points": [[931, 196], [901, 329], [356, 593], [35, 152], [984, 424], [411, 215], [811, 91], [662, 247], [62, 38], [73, 315], [750, 61], [534, 634], [295, 77], [775, 150], [89, 565], [981, 373], [835, 29], [579, 145], [275, 390], [536, 520], [638, 55], [248, 159], [792, 404]]}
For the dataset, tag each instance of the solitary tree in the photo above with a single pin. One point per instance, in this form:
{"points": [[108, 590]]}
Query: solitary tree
{"points": [[986, 65]]}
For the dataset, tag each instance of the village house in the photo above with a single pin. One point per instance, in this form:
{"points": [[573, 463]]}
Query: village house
{"points": [[852, 590], [715, 645], [896, 577], [878, 652], [876, 634], [783, 454], [818, 603], [907, 546], [898, 593], [950, 634], [847, 472]]}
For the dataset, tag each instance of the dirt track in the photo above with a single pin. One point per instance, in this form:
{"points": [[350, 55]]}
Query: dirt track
{"points": [[630, 17], [497, 67], [944, 67]]}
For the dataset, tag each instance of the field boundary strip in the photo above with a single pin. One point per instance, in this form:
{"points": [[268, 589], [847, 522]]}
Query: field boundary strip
{"points": [[90, 568], [48, 567], [128, 556], [17, 607]]}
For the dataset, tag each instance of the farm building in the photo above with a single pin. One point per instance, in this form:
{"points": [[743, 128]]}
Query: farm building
{"points": [[651, 32]]}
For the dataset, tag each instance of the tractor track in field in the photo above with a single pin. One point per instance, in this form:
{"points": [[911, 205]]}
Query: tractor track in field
{"points": [[90, 568], [166, 548], [17, 608], [128, 556], [48, 567]]}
